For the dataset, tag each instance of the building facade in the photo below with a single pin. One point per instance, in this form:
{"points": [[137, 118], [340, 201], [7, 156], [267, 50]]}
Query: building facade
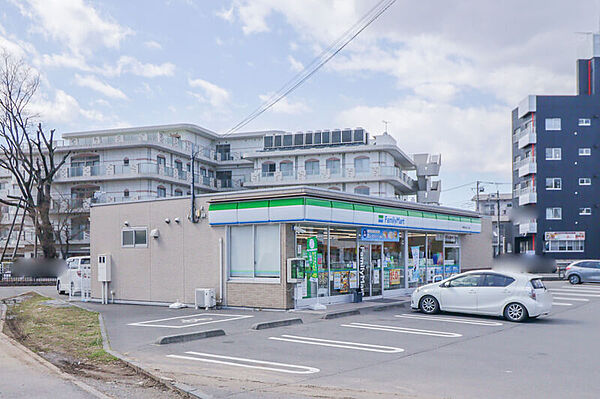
{"points": [[555, 168], [141, 163], [241, 244], [498, 207]]}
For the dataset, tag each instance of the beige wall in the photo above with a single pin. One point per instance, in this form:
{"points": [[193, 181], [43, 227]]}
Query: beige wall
{"points": [[476, 249], [184, 257]]}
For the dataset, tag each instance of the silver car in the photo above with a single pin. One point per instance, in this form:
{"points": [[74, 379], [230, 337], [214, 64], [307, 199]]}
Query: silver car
{"points": [[583, 271]]}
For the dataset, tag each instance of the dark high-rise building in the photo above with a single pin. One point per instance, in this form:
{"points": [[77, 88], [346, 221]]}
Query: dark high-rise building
{"points": [[556, 167]]}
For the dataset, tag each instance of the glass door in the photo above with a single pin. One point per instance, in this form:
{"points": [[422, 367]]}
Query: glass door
{"points": [[372, 271]]}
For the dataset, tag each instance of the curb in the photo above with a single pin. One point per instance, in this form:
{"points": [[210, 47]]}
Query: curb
{"points": [[43, 362], [187, 337], [387, 306], [341, 313], [182, 389], [276, 323]]}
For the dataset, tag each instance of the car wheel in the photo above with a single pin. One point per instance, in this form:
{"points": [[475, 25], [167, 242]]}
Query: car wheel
{"points": [[574, 279], [515, 312], [429, 305]]}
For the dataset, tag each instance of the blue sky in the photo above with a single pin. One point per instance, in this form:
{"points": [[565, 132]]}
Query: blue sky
{"points": [[445, 74]]}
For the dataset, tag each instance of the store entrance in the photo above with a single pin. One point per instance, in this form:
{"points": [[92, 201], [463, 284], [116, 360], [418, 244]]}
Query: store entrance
{"points": [[372, 272]]}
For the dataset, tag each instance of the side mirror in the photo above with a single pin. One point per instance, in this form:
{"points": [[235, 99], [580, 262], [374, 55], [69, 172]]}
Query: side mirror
{"points": [[445, 285]]}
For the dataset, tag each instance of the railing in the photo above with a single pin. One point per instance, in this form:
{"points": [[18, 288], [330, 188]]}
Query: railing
{"points": [[524, 190], [522, 162], [522, 133]]}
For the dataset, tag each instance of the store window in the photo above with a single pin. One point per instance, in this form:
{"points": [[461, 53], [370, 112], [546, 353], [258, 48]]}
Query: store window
{"points": [[393, 264], [416, 259], [254, 251], [343, 257], [434, 262], [317, 276]]}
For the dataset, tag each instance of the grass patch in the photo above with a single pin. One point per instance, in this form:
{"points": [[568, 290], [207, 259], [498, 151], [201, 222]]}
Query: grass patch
{"points": [[70, 331]]}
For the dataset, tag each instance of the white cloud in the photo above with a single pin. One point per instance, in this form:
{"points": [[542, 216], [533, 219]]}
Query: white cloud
{"points": [[95, 84], [211, 93], [64, 108], [128, 64], [295, 64], [226, 14], [153, 45], [284, 106], [75, 23]]}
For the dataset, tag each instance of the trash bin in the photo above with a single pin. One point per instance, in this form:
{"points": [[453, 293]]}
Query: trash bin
{"points": [[357, 297]]}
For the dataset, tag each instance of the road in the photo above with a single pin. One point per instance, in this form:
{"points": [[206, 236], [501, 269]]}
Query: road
{"points": [[392, 353]]}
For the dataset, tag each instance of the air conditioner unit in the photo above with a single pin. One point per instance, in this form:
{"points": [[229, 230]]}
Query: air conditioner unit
{"points": [[205, 298]]}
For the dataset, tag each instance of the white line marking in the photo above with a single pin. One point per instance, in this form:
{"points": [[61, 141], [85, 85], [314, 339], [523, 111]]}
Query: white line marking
{"points": [[189, 320], [260, 364], [561, 304], [450, 319], [568, 292], [338, 344], [582, 290], [578, 287], [403, 330], [571, 299]]}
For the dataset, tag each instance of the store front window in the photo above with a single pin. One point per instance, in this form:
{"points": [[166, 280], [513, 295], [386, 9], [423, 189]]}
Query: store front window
{"points": [[393, 265], [416, 259], [435, 257], [343, 258], [317, 273], [451, 255]]}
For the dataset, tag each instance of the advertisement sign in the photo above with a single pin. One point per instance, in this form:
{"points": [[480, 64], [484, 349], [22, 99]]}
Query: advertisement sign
{"points": [[414, 277], [344, 282], [373, 234], [394, 276], [337, 280], [353, 279], [391, 220], [564, 235], [386, 279], [312, 267]]}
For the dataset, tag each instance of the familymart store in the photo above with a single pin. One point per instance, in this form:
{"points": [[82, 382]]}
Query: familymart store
{"points": [[336, 245]]}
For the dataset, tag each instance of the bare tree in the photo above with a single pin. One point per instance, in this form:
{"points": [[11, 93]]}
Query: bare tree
{"points": [[27, 151], [66, 212]]}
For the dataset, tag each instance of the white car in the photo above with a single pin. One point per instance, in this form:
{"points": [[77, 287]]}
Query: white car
{"points": [[71, 277], [516, 296]]}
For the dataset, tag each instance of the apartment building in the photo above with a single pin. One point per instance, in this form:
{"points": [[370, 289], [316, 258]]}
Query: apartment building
{"points": [[140, 163], [555, 168], [498, 207]]}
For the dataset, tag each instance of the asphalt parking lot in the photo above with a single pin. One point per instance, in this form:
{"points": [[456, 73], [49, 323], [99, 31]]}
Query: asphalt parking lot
{"points": [[391, 353]]}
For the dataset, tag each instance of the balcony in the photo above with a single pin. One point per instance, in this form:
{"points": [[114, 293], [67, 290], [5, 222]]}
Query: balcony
{"points": [[526, 137], [333, 175], [525, 166], [529, 227], [526, 196]]}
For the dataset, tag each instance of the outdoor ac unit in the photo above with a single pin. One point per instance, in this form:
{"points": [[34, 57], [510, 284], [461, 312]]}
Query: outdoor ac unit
{"points": [[205, 298]]}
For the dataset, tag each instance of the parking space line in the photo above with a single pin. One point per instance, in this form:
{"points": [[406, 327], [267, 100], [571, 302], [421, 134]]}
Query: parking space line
{"points": [[578, 287], [190, 320], [403, 330], [449, 319], [242, 362], [338, 344], [569, 292], [561, 304], [571, 299]]}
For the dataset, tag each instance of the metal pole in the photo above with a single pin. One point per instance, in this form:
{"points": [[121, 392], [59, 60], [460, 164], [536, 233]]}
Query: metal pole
{"points": [[193, 218], [498, 219], [477, 196], [35, 245], [12, 226], [14, 254]]}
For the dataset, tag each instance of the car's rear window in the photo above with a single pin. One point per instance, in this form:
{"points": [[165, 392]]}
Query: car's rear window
{"points": [[537, 283]]}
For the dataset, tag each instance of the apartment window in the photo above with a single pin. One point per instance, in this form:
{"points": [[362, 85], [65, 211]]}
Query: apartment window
{"points": [[553, 154], [312, 167], [161, 160], [553, 183], [268, 168], [134, 237], [299, 139], [308, 138], [364, 190], [126, 161], [161, 192], [585, 181], [361, 164], [178, 165], [254, 251], [287, 140], [554, 213], [585, 122], [585, 211], [277, 142], [178, 193], [333, 166], [552, 123], [286, 168], [585, 152], [126, 193], [268, 141]]}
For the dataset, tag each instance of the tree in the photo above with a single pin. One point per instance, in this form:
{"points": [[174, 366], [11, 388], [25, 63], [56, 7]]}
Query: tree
{"points": [[67, 210], [26, 150]]}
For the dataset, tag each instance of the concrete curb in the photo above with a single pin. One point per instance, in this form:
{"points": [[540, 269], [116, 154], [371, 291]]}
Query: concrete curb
{"points": [[177, 338], [182, 389], [341, 313], [387, 306], [43, 362], [276, 323]]}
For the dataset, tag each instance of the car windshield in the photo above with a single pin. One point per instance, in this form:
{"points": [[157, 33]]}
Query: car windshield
{"points": [[537, 283], [72, 264]]}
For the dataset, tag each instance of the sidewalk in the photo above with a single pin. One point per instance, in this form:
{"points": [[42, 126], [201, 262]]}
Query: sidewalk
{"points": [[25, 376], [365, 305]]}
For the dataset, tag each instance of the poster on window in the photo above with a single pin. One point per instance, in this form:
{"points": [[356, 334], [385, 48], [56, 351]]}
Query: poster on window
{"points": [[337, 280], [344, 282], [353, 279], [386, 279], [394, 276], [414, 274]]}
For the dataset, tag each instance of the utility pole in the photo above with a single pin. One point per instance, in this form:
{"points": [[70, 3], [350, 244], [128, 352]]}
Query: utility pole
{"points": [[498, 220], [477, 197], [193, 217]]}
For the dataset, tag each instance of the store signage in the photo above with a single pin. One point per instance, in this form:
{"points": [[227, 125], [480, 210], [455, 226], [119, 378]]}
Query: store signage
{"points": [[361, 268], [391, 220], [564, 235], [371, 234]]}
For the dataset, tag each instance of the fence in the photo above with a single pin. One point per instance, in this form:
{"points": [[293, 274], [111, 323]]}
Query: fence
{"points": [[22, 281]]}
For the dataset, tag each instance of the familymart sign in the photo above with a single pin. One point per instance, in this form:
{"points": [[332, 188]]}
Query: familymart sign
{"points": [[338, 212]]}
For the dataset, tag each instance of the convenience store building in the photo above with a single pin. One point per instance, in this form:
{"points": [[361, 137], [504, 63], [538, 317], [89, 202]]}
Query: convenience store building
{"points": [[242, 241]]}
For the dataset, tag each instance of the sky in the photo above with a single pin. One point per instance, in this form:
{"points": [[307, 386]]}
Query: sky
{"points": [[446, 75]]}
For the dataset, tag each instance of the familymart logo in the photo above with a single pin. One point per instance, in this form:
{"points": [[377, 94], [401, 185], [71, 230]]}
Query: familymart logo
{"points": [[391, 220]]}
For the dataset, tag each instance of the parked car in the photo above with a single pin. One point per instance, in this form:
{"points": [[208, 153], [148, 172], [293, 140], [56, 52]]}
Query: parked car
{"points": [[583, 271], [516, 296], [71, 277]]}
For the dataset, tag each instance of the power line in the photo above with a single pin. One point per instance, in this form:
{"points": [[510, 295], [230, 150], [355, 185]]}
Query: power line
{"points": [[325, 56]]}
